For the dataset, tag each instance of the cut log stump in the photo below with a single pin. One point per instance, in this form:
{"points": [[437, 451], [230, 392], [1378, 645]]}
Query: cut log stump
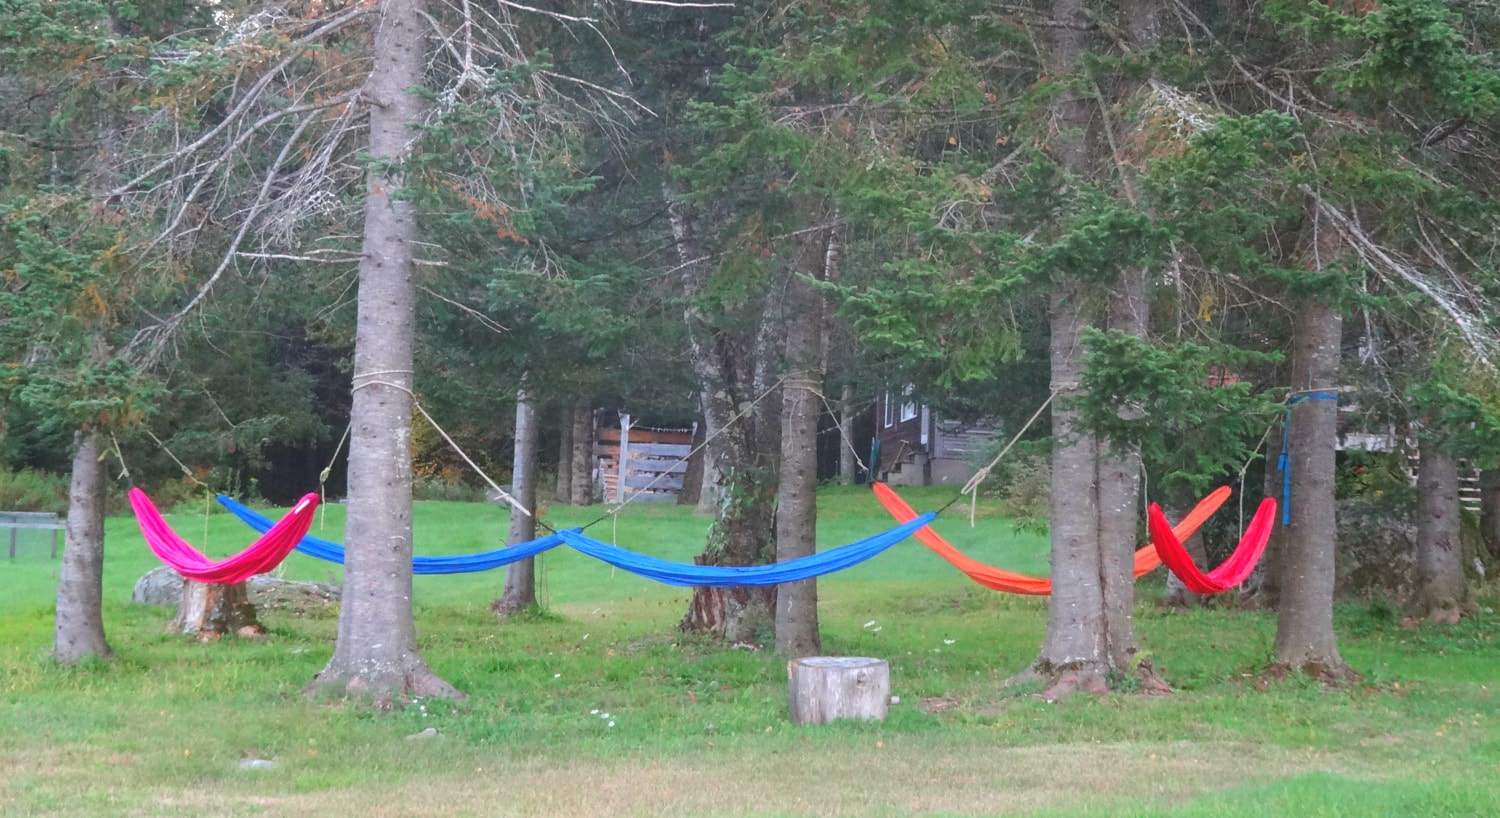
{"points": [[822, 689], [211, 611]]}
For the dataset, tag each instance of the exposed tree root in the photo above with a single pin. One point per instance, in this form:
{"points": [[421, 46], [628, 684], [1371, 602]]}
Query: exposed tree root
{"points": [[384, 687], [1331, 674]]}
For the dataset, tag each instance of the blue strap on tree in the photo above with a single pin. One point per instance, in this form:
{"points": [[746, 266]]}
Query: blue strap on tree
{"points": [[1284, 461]]}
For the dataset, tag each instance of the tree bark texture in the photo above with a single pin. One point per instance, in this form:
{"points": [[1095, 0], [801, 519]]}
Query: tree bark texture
{"points": [[797, 631], [692, 478], [708, 489], [847, 466], [564, 492], [1095, 485], [1305, 640], [824, 689], [208, 612], [583, 455], [1264, 592], [520, 577], [1076, 652], [1442, 594], [375, 655], [744, 474], [78, 630], [1489, 511]]}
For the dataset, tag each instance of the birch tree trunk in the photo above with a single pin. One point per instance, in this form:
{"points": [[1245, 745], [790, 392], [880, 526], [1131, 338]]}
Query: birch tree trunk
{"points": [[1305, 640], [520, 577], [564, 493], [375, 655], [78, 630], [583, 455], [847, 468], [1442, 594], [797, 633]]}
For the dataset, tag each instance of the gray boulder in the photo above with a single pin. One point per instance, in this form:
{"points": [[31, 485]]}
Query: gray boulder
{"points": [[162, 586], [159, 586]]}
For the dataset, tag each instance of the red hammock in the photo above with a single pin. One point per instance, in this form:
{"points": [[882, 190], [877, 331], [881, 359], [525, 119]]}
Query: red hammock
{"points": [[264, 554], [1232, 571], [1010, 582]]}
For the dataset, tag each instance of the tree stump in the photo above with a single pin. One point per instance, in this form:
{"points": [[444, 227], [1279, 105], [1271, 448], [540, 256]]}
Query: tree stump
{"points": [[822, 689], [211, 611]]}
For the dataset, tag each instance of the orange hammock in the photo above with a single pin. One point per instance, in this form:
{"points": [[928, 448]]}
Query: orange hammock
{"points": [[999, 579]]}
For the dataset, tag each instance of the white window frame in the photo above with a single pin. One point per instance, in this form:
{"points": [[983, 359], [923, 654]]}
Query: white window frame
{"points": [[908, 408], [889, 411]]}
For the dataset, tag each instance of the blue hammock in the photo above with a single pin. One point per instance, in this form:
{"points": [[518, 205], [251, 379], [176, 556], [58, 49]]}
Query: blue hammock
{"points": [[664, 571], [687, 574], [451, 564]]}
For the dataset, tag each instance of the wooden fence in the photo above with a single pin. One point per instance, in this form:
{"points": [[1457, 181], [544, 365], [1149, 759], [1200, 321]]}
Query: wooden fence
{"points": [[654, 461]]}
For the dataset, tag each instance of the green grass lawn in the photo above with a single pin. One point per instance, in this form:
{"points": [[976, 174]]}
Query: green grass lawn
{"points": [[699, 729]]}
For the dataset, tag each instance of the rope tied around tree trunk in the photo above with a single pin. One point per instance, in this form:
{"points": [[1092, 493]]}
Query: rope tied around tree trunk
{"points": [[1284, 461], [373, 379]]}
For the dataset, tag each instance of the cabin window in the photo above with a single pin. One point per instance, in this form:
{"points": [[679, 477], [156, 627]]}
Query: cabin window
{"points": [[890, 412], [908, 407]]}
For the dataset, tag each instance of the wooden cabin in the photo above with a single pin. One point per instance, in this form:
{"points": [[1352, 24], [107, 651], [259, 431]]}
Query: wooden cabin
{"points": [[920, 447]]}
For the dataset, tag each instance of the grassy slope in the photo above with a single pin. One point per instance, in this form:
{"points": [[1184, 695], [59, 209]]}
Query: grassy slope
{"points": [[700, 730]]}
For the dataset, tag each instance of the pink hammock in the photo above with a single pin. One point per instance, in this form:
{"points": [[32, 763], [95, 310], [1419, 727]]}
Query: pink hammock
{"points": [[264, 554], [1232, 571]]}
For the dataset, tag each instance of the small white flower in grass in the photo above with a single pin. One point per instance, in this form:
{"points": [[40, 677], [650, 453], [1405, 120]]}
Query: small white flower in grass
{"points": [[877, 630], [611, 724], [949, 641], [557, 675], [594, 712], [870, 624]]}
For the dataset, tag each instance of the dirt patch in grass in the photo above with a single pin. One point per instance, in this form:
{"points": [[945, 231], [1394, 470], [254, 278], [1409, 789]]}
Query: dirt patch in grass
{"points": [[866, 776]]}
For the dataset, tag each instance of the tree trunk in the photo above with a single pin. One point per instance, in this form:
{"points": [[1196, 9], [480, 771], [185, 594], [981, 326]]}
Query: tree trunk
{"points": [[375, 655], [79, 627], [797, 631], [1442, 594], [1119, 487], [692, 478], [744, 527], [583, 455], [1075, 653], [847, 467], [209, 611], [1489, 509], [564, 492], [1305, 640], [708, 491], [1264, 593], [520, 577], [1094, 486], [1178, 596]]}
